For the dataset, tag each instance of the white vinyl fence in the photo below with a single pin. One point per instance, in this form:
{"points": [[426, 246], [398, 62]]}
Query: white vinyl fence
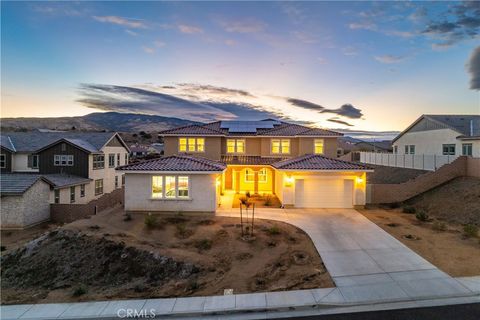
{"points": [[429, 162]]}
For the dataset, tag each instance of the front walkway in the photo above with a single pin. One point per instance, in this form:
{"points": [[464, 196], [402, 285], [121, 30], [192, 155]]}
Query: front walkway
{"points": [[366, 263]]}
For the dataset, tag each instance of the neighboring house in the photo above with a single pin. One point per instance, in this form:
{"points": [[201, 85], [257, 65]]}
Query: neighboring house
{"points": [[451, 135], [202, 161], [156, 148], [374, 146], [138, 150], [78, 166]]}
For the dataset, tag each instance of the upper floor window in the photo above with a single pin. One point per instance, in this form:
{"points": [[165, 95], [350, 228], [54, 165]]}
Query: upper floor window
{"points": [[191, 144], [467, 149], [280, 146], [33, 161], [448, 149], [98, 161], [410, 149], [118, 159], [3, 161], [111, 160], [318, 146], [63, 160], [170, 187], [126, 158], [235, 146]]}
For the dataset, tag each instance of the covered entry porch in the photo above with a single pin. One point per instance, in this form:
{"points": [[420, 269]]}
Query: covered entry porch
{"points": [[255, 179]]}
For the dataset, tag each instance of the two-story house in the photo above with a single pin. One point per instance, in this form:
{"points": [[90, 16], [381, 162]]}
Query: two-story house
{"points": [[296, 163], [78, 167]]}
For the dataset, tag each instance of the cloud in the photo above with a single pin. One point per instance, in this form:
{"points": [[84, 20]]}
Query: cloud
{"points": [[188, 29], [349, 51], [244, 26], [230, 42], [337, 120], [346, 110], [132, 33], [209, 89], [126, 22], [305, 104], [389, 59], [136, 100], [473, 68], [159, 44], [401, 34], [305, 37], [148, 50], [366, 25]]}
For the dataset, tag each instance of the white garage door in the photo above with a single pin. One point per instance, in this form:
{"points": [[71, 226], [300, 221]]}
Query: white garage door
{"points": [[324, 193]]}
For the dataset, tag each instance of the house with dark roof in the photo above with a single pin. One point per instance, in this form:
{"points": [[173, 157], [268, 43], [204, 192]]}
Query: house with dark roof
{"points": [[296, 163], [448, 135], [79, 167]]}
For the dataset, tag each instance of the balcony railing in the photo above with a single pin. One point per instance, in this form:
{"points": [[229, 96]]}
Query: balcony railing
{"points": [[429, 162]]}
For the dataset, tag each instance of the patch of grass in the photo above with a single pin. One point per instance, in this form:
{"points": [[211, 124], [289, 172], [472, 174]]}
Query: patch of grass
{"points": [[203, 244], [421, 215], [79, 291], [439, 226], [151, 221], [470, 231], [409, 209]]}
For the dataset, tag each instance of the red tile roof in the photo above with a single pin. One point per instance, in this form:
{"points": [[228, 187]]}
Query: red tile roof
{"points": [[250, 160], [317, 162], [176, 163], [283, 129]]}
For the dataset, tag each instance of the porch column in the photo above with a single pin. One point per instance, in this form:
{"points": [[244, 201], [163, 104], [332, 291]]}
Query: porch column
{"points": [[272, 172], [237, 181], [255, 181]]}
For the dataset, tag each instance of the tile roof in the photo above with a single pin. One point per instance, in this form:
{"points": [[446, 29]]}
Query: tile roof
{"points": [[468, 125], [17, 183], [317, 162], [7, 143], [249, 160], [65, 180], [35, 140], [176, 163], [279, 129]]}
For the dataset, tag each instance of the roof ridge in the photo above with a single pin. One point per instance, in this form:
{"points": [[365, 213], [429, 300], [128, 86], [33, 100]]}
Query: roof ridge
{"points": [[193, 125]]}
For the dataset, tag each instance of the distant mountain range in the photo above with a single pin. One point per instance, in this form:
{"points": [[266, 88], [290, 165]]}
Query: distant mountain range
{"points": [[98, 121]]}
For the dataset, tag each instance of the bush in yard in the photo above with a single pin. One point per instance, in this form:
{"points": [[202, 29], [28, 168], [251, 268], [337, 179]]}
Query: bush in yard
{"points": [[421, 215], [470, 230], [150, 221], [409, 209], [203, 244], [439, 226], [79, 291], [268, 200], [273, 230]]}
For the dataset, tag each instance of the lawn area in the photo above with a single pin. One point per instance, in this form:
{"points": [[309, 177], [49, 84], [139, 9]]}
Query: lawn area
{"points": [[441, 242], [112, 256]]}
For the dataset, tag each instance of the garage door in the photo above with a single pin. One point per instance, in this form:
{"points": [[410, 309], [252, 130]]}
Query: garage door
{"points": [[324, 193]]}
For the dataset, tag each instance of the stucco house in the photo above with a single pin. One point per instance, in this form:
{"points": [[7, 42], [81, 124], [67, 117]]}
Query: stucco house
{"points": [[78, 167], [296, 163], [445, 135]]}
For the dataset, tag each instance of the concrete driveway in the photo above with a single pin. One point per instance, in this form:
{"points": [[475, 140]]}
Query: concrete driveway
{"points": [[365, 262]]}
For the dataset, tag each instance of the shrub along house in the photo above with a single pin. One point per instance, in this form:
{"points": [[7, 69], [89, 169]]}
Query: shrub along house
{"points": [[79, 167], [294, 162]]}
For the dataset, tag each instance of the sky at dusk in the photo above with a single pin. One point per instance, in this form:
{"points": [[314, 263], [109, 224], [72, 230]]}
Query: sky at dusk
{"points": [[351, 65]]}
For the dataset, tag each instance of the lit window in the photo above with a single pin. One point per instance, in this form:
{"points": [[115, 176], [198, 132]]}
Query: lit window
{"points": [[157, 187], [262, 175], [235, 146], [98, 187], [191, 144], [182, 187], [249, 175], [182, 144], [281, 146], [318, 146], [170, 188]]}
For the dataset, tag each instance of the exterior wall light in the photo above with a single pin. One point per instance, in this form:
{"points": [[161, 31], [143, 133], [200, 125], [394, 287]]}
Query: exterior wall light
{"points": [[359, 180], [288, 181]]}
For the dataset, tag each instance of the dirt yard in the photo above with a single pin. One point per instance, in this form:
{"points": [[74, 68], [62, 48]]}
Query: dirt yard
{"points": [[110, 256], [441, 243]]}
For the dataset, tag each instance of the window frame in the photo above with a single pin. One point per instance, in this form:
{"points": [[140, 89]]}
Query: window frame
{"points": [[468, 145], [163, 194], [3, 160], [111, 160], [235, 146], [63, 160], [82, 190], [191, 145], [281, 142], [318, 141], [56, 196], [116, 182], [98, 164], [98, 189], [126, 158], [448, 149], [409, 149], [72, 194]]}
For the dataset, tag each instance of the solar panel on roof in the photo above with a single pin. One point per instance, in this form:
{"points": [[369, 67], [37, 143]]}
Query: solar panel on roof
{"points": [[247, 126]]}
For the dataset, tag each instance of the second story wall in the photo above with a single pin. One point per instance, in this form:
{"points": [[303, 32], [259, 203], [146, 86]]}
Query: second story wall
{"points": [[306, 146], [80, 160], [213, 147]]}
